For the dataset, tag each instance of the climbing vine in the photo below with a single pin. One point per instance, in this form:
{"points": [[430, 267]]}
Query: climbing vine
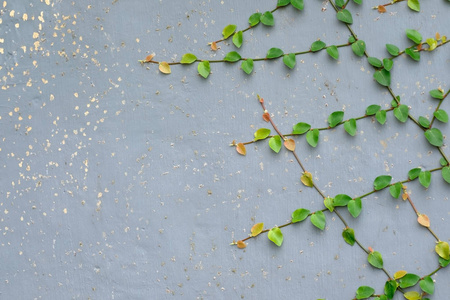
{"points": [[412, 286]]}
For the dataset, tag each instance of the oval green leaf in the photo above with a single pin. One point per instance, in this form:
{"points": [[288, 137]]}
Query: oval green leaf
{"points": [[375, 259], [359, 47], [328, 202], [381, 182], [388, 64], [364, 292], [333, 52], [274, 53], [350, 127], [375, 62], [254, 19], [381, 116], [401, 113], [414, 35], [424, 122], [317, 45], [395, 190], [342, 200], [392, 49], [228, 30], [427, 285], [204, 68], [409, 280], [298, 4], [261, 134], [372, 109], [312, 137], [437, 94], [383, 77], [414, 5], [442, 249], [425, 178], [276, 236], [318, 219], [415, 55], [434, 137], [335, 118], [232, 56], [414, 173], [238, 38], [349, 236], [389, 288], [354, 207], [247, 66], [289, 60], [441, 115], [301, 128], [267, 19], [446, 174], [299, 215], [188, 58], [345, 16], [275, 143]]}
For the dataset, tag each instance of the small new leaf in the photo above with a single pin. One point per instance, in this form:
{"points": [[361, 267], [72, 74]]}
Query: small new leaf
{"points": [[275, 143]]}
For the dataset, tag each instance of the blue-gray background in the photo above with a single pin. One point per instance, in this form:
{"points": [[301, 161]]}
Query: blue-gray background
{"points": [[118, 182]]}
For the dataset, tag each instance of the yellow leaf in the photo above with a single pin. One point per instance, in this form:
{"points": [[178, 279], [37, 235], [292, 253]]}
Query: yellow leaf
{"points": [[290, 144], [413, 295], [438, 36], [241, 244], [240, 148], [213, 46], [164, 67], [306, 179], [257, 229], [149, 58], [423, 220], [443, 250], [400, 274]]}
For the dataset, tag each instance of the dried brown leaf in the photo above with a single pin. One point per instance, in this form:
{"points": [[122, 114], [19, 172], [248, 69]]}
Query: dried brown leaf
{"points": [[381, 9], [213, 46], [423, 220], [266, 117], [289, 144], [241, 244], [149, 58]]}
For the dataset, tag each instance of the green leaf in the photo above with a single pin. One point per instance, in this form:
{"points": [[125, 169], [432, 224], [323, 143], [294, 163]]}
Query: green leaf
{"points": [[350, 127], [345, 16], [301, 128], [341, 200], [204, 68], [275, 143], [381, 182], [299, 215], [232, 56], [335, 118], [357, 1], [414, 35], [349, 236], [276, 236], [289, 60], [359, 47], [414, 5], [432, 43], [401, 113], [434, 137], [414, 173], [425, 178], [317, 45], [333, 51], [188, 58], [413, 295], [298, 4], [389, 288], [238, 38], [437, 94], [442, 249], [388, 64], [392, 49], [261, 134], [443, 162], [372, 109], [441, 115], [424, 122], [283, 2], [375, 259], [318, 219], [354, 207], [446, 174], [383, 77], [381, 116], [375, 62], [351, 39], [228, 30], [364, 292], [247, 65], [339, 3], [409, 280], [274, 53], [267, 19], [395, 190], [413, 54], [312, 137], [254, 19], [444, 262], [328, 202], [427, 285]]}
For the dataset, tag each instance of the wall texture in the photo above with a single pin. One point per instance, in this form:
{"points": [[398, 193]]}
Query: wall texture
{"points": [[118, 182]]}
